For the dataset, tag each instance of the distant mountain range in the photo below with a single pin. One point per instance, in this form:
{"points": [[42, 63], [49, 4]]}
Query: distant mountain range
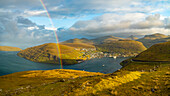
{"points": [[99, 40], [149, 40]]}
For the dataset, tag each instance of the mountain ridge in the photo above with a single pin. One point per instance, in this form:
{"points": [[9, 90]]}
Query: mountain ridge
{"points": [[149, 40]]}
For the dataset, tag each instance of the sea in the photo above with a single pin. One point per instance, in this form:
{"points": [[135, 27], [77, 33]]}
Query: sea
{"points": [[11, 63]]}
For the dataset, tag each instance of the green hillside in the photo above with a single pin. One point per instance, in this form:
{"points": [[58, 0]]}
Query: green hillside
{"points": [[48, 53], [122, 46], [9, 48], [150, 40], [157, 52]]}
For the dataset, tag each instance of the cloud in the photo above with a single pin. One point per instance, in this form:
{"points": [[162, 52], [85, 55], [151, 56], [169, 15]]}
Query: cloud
{"points": [[120, 17], [21, 32], [34, 12], [25, 21], [19, 4], [74, 8], [110, 24], [150, 22], [167, 22]]}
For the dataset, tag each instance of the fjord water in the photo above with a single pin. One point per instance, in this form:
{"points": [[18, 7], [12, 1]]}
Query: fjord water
{"points": [[10, 63]]}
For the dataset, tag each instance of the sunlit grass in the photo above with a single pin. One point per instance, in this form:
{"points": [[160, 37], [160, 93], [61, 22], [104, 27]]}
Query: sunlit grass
{"points": [[60, 73]]}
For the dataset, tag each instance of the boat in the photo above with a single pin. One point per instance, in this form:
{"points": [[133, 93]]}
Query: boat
{"points": [[114, 57], [103, 65]]}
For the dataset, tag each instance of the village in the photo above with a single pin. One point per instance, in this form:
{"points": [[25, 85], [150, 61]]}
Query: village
{"points": [[90, 53]]}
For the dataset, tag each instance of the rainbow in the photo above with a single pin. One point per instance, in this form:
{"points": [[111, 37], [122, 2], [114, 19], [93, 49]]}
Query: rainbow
{"points": [[55, 34]]}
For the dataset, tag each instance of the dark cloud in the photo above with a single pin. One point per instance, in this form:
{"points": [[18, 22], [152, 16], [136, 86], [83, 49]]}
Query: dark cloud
{"points": [[21, 32], [61, 29], [13, 33], [25, 21], [41, 26]]}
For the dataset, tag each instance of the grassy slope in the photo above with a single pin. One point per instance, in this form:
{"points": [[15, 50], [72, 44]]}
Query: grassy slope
{"points": [[127, 46], [9, 48], [26, 81], [48, 53], [157, 52]]}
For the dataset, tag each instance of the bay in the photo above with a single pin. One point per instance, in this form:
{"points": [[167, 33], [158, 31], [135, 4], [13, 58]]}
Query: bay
{"points": [[11, 63]]}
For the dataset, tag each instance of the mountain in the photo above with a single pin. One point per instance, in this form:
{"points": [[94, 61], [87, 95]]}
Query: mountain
{"points": [[48, 53], [122, 47], [149, 40], [105, 39], [158, 52], [99, 40], [155, 36], [131, 37], [76, 40], [9, 48]]}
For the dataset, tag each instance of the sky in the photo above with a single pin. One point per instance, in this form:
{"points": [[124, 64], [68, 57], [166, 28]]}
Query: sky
{"points": [[24, 23]]}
